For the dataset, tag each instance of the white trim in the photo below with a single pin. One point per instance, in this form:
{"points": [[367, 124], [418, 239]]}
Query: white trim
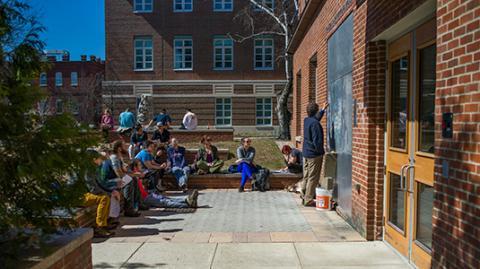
{"points": [[139, 90], [223, 6], [143, 10], [190, 82], [186, 95], [183, 6], [263, 47], [222, 89], [183, 48], [264, 110], [261, 89], [58, 79], [144, 48], [43, 79], [223, 117], [72, 80], [223, 48]]}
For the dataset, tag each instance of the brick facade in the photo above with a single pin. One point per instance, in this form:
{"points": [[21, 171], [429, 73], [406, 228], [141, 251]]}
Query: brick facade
{"points": [[177, 90], [456, 195]]}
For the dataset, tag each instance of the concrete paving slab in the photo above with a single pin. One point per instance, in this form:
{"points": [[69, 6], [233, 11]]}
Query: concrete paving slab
{"points": [[345, 254], [112, 255], [221, 238], [240, 237], [165, 255], [259, 238], [256, 255]]}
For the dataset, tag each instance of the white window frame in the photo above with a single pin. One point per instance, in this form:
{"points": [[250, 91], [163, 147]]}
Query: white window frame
{"points": [[222, 3], [43, 79], [58, 79], [263, 117], [263, 47], [143, 4], [183, 3], [57, 103], [183, 48], [144, 50], [264, 3], [74, 107], [221, 102], [74, 82], [223, 48]]}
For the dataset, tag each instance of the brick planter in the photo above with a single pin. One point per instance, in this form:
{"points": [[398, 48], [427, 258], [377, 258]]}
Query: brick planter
{"points": [[186, 136]]}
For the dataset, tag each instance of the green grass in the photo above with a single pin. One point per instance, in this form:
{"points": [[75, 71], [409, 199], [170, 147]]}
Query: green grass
{"points": [[267, 152]]}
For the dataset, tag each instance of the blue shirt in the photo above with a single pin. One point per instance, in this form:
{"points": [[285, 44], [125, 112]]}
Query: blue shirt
{"points": [[144, 156], [176, 157], [313, 136], [127, 119], [163, 118]]}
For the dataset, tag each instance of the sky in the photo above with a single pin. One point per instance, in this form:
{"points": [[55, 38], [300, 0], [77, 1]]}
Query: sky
{"points": [[74, 25]]}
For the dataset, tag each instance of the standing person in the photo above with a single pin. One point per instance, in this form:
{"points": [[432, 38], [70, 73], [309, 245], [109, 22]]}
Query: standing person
{"points": [[161, 135], [178, 165], [207, 160], [190, 121], [293, 158], [126, 121], [312, 152], [137, 141], [246, 166], [163, 117], [153, 171], [106, 123]]}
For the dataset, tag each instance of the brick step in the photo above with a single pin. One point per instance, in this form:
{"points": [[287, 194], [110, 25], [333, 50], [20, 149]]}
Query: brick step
{"points": [[230, 181], [186, 136]]}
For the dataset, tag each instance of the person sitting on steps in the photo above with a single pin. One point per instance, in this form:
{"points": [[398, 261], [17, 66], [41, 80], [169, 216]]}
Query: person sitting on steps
{"points": [[246, 166], [293, 159], [207, 160], [153, 171], [161, 135], [177, 164], [137, 141]]}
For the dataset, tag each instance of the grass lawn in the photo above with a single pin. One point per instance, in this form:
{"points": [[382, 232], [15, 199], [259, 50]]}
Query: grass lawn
{"points": [[267, 152]]}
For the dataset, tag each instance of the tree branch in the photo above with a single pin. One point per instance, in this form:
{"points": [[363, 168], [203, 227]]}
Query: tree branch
{"points": [[239, 38], [269, 12]]}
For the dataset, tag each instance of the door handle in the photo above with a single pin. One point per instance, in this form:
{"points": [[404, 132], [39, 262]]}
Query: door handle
{"points": [[408, 173], [402, 177]]}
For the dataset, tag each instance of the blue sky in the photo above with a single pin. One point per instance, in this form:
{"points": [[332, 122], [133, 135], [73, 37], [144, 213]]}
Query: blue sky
{"points": [[77, 26]]}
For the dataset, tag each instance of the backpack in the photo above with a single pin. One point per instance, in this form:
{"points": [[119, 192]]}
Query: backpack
{"points": [[261, 182]]}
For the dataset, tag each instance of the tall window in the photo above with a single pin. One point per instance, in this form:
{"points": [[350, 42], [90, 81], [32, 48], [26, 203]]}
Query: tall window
{"points": [[43, 79], [74, 79], [183, 53], [142, 6], [74, 107], [182, 5], [223, 53], [143, 53], [264, 111], [263, 53], [59, 106], [270, 4], [58, 79], [222, 5], [223, 112]]}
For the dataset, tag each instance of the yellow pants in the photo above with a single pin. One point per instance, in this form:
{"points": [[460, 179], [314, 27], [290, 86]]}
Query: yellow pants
{"points": [[103, 206]]}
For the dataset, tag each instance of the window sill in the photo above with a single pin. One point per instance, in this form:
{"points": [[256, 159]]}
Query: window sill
{"points": [[142, 11], [263, 69], [182, 11], [183, 70], [222, 69], [223, 10], [143, 70]]}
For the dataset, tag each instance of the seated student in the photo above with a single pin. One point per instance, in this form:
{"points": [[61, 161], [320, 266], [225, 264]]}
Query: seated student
{"points": [[126, 121], [96, 195], [150, 198], [207, 160], [161, 135], [163, 117], [153, 170], [189, 121], [293, 158], [177, 164], [246, 166], [137, 141]]}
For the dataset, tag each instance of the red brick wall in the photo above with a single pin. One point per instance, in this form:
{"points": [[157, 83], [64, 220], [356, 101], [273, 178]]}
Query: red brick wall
{"points": [[456, 216]]}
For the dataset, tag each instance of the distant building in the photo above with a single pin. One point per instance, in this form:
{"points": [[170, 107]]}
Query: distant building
{"points": [[72, 86], [179, 53]]}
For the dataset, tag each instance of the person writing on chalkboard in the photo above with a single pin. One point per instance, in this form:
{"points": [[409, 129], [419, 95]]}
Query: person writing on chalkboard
{"points": [[313, 152]]}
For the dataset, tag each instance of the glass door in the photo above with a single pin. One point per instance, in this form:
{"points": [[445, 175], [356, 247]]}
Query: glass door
{"points": [[410, 144]]}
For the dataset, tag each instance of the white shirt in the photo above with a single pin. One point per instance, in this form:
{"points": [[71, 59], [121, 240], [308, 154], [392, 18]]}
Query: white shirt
{"points": [[190, 121]]}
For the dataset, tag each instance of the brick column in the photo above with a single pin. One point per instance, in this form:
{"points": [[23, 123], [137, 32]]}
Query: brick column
{"points": [[456, 214]]}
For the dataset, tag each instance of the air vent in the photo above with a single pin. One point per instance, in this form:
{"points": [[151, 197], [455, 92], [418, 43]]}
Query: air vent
{"points": [[264, 89], [223, 89], [143, 89]]}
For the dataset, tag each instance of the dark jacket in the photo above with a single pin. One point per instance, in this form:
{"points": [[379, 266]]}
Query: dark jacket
{"points": [[164, 137], [313, 136], [202, 154]]}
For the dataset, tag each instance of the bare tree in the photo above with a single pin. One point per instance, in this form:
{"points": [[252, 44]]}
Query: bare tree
{"points": [[277, 20]]}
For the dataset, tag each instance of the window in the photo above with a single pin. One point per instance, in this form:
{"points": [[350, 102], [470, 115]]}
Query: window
{"points": [[74, 108], [74, 79], [142, 6], [264, 111], [59, 106], [183, 53], [266, 3], [222, 5], [58, 79], [223, 112], [43, 79], [182, 5], [143, 53], [223, 53], [263, 54]]}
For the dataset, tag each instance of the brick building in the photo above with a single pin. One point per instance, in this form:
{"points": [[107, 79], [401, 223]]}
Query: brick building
{"points": [[180, 55], [72, 86], [403, 81]]}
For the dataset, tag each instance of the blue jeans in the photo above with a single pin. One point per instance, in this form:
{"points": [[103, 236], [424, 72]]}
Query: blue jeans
{"points": [[181, 174], [158, 200], [247, 171]]}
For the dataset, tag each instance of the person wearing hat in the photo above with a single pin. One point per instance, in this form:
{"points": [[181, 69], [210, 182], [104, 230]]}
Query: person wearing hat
{"points": [[161, 135]]}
